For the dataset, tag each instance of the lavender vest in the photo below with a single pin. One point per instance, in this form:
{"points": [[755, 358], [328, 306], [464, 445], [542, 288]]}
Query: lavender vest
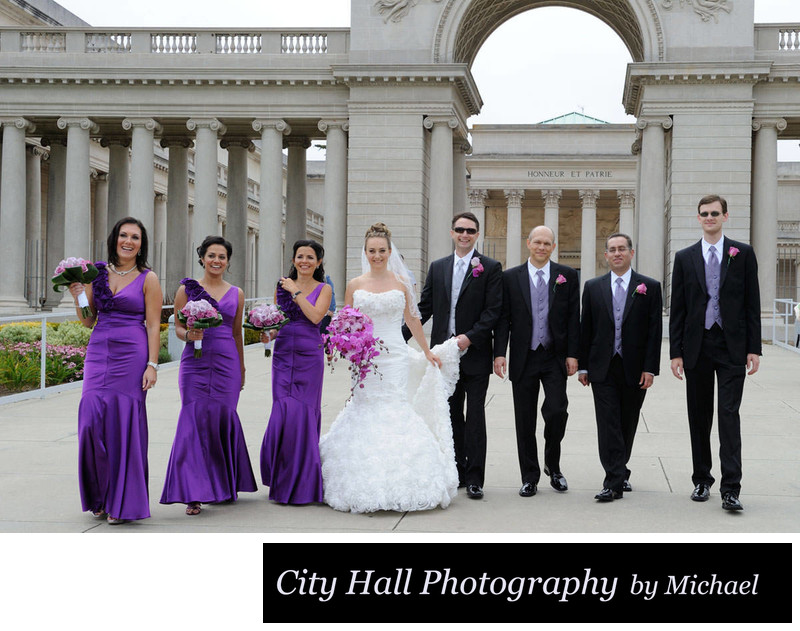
{"points": [[540, 306]]}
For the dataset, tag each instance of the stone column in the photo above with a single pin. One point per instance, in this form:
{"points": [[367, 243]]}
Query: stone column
{"points": [[13, 213], [142, 169], [336, 203], [54, 228], [33, 224], [119, 175], [440, 200], [270, 216], [764, 215], [160, 239], [477, 206], [100, 220], [650, 244], [461, 148], [627, 199], [205, 177], [588, 234], [250, 264], [551, 200], [296, 205], [513, 226], [77, 190], [178, 264], [236, 206]]}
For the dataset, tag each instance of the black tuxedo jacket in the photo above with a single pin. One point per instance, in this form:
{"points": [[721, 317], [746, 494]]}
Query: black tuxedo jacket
{"points": [[641, 328], [478, 307], [516, 320], [739, 303]]}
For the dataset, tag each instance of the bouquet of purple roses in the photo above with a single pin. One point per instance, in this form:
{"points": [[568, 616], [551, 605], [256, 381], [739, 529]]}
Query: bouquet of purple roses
{"points": [[264, 318], [350, 337], [199, 314], [75, 270]]}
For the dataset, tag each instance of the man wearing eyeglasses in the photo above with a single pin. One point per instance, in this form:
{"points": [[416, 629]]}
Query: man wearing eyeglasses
{"points": [[463, 293], [620, 351], [541, 316], [715, 329]]}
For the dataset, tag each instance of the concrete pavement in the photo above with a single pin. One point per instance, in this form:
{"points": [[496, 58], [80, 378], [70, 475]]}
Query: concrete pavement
{"points": [[39, 452]]}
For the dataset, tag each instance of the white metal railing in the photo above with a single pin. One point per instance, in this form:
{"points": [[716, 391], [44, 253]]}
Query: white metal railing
{"points": [[43, 390], [787, 334]]}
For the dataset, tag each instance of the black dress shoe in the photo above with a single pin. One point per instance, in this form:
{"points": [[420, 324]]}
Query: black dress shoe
{"points": [[626, 487], [558, 481], [607, 495], [474, 491], [528, 489], [701, 493], [731, 502]]}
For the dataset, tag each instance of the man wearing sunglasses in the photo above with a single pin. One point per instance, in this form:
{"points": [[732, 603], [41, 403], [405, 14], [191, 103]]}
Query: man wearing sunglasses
{"points": [[715, 328], [463, 294]]}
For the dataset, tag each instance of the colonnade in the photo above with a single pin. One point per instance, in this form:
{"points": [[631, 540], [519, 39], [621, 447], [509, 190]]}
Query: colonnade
{"points": [[75, 221]]}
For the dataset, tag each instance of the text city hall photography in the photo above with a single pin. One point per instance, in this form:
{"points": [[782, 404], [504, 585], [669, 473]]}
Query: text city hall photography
{"points": [[371, 296]]}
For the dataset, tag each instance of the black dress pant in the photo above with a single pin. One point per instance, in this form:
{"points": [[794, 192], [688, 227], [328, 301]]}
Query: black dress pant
{"points": [[715, 359], [616, 407], [541, 366], [469, 432]]}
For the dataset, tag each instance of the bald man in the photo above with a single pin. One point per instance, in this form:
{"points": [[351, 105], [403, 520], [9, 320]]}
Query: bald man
{"points": [[541, 318]]}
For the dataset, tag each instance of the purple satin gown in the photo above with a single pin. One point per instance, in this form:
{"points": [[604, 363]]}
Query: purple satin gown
{"points": [[112, 420], [209, 462], [290, 462]]}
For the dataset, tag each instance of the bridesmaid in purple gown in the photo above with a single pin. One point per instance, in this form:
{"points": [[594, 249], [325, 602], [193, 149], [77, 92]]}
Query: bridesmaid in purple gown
{"points": [[290, 463], [209, 462], [120, 367]]}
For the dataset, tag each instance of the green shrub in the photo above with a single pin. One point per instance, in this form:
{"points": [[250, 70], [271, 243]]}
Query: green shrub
{"points": [[28, 332], [69, 333]]}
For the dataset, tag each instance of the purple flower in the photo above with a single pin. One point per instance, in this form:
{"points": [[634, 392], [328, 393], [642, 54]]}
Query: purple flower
{"points": [[350, 337], [641, 288], [732, 251], [560, 280], [477, 267]]}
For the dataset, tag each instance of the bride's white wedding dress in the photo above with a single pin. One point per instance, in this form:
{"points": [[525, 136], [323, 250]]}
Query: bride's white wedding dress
{"points": [[391, 447]]}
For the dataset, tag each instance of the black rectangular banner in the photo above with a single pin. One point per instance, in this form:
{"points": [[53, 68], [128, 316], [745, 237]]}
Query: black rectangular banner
{"points": [[528, 582]]}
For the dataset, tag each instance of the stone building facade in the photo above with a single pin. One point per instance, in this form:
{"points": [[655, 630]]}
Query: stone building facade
{"points": [[390, 97]]}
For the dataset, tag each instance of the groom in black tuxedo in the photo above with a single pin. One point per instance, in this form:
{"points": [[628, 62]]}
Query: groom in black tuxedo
{"points": [[463, 293], [620, 350], [541, 315], [715, 327]]}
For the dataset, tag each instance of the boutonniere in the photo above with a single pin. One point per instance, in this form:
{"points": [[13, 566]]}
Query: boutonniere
{"points": [[560, 280], [477, 267], [732, 252], [641, 288]]}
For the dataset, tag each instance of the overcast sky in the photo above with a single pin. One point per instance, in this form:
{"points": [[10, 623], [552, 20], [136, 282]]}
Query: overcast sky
{"points": [[532, 68]]}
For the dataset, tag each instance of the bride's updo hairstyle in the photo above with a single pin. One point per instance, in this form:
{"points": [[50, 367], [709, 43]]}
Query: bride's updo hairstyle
{"points": [[381, 231]]}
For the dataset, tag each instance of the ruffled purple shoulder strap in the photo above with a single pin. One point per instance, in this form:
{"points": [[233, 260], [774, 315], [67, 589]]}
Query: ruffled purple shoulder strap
{"points": [[195, 291], [101, 292]]}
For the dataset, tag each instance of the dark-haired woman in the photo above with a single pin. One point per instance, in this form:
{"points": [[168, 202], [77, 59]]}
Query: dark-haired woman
{"points": [[290, 463], [209, 462], [121, 366]]}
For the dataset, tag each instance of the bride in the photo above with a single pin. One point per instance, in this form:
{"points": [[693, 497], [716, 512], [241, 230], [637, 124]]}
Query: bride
{"points": [[391, 447]]}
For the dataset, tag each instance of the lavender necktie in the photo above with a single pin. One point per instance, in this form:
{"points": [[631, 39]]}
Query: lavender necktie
{"points": [[619, 306], [712, 287]]}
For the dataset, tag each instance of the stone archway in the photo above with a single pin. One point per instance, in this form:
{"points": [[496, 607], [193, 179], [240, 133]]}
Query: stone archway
{"points": [[465, 25]]}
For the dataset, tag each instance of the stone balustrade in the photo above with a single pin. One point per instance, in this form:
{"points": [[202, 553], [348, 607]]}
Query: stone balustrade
{"points": [[783, 38], [171, 42]]}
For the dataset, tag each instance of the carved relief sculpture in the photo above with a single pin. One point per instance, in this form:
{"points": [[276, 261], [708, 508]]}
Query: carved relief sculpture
{"points": [[706, 9]]}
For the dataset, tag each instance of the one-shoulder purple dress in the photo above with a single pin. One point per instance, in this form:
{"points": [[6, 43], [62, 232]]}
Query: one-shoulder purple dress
{"points": [[112, 420], [209, 462], [290, 462]]}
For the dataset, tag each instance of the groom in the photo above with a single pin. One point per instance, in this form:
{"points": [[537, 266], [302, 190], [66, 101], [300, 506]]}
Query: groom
{"points": [[463, 293]]}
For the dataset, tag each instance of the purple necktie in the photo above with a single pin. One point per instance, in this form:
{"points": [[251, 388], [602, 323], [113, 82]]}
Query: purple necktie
{"points": [[712, 287], [619, 306]]}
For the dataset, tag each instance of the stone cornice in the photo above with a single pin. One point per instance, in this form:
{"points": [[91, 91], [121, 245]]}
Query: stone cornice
{"points": [[689, 73], [457, 75]]}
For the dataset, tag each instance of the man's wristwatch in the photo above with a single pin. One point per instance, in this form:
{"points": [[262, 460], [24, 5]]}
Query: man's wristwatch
{"points": [[154, 365]]}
